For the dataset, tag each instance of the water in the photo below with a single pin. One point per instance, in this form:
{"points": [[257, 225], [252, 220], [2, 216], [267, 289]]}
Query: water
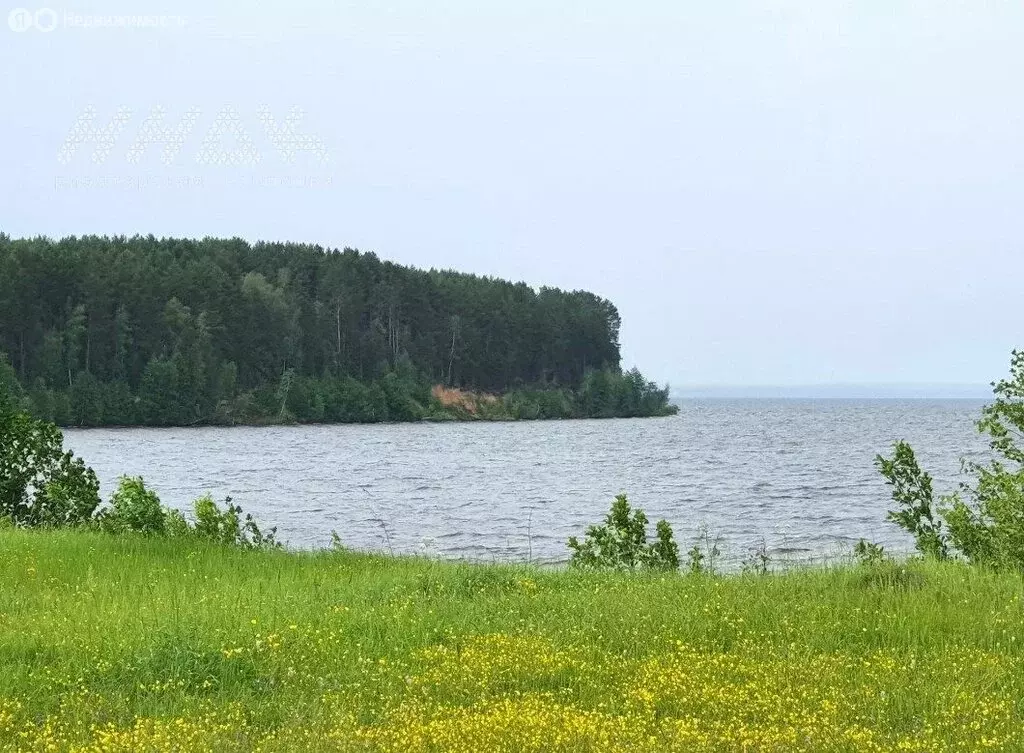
{"points": [[796, 474]]}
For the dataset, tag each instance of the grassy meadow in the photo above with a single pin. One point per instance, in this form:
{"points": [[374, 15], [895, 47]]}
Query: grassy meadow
{"points": [[128, 644]]}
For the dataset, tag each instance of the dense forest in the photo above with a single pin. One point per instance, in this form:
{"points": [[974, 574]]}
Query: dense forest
{"points": [[99, 330]]}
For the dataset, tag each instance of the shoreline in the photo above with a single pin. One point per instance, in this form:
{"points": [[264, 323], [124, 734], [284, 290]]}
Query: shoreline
{"points": [[424, 420]]}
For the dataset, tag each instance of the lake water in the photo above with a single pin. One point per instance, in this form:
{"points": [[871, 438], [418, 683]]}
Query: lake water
{"points": [[796, 474]]}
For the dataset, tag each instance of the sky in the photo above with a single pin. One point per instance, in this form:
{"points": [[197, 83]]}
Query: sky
{"points": [[784, 193]]}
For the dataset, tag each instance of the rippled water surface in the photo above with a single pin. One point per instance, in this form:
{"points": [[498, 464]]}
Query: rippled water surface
{"points": [[797, 474]]}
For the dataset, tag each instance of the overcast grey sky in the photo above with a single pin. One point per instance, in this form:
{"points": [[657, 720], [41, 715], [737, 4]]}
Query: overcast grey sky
{"points": [[772, 193]]}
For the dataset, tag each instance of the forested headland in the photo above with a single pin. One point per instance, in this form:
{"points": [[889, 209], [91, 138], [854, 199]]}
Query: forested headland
{"points": [[146, 331]]}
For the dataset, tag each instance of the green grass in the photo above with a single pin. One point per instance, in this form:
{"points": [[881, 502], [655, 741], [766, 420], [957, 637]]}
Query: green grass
{"points": [[131, 644]]}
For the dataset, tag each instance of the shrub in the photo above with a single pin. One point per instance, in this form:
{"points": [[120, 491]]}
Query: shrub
{"points": [[869, 553], [137, 509], [621, 543], [912, 491], [228, 527], [989, 528], [40, 483], [985, 519], [133, 507]]}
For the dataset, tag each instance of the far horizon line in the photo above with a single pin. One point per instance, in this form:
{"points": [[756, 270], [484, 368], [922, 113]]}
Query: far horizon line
{"points": [[897, 390]]}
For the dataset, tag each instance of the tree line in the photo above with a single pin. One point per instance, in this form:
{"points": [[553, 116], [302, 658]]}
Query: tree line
{"points": [[141, 330]]}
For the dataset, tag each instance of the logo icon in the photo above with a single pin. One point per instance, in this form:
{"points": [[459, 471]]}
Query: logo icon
{"points": [[22, 19], [46, 19]]}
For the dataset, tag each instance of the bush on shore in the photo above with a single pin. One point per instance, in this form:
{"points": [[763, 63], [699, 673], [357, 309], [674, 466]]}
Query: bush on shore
{"points": [[983, 522], [43, 486], [622, 543]]}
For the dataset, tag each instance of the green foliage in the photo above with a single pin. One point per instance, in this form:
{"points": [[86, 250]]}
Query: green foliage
{"points": [[664, 551], [532, 404], [695, 560], [621, 543], [985, 518], [75, 335], [912, 491], [284, 389], [702, 556], [178, 332], [228, 527], [869, 553], [158, 394], [889, 575], [43, 486], [87, 400], [40, 483], [221, 331], [403, 396], [118, 404], [12, 396], [1003, 421], [68, 496], [176, 525], [134, 508], [49, 405], [608, 393], [988, 527], [604, 393]]}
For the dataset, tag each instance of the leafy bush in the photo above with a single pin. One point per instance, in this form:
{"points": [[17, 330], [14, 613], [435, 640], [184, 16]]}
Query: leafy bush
{"points": [[133, 507], [912, 491], [985, 519], [40, 483], [869, 553], [137, 509], [621, 543], [228, 526]]}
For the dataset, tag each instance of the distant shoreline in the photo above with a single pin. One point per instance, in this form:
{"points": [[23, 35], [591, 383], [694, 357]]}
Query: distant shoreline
{"points": [[676, 399], [838, 392]]}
